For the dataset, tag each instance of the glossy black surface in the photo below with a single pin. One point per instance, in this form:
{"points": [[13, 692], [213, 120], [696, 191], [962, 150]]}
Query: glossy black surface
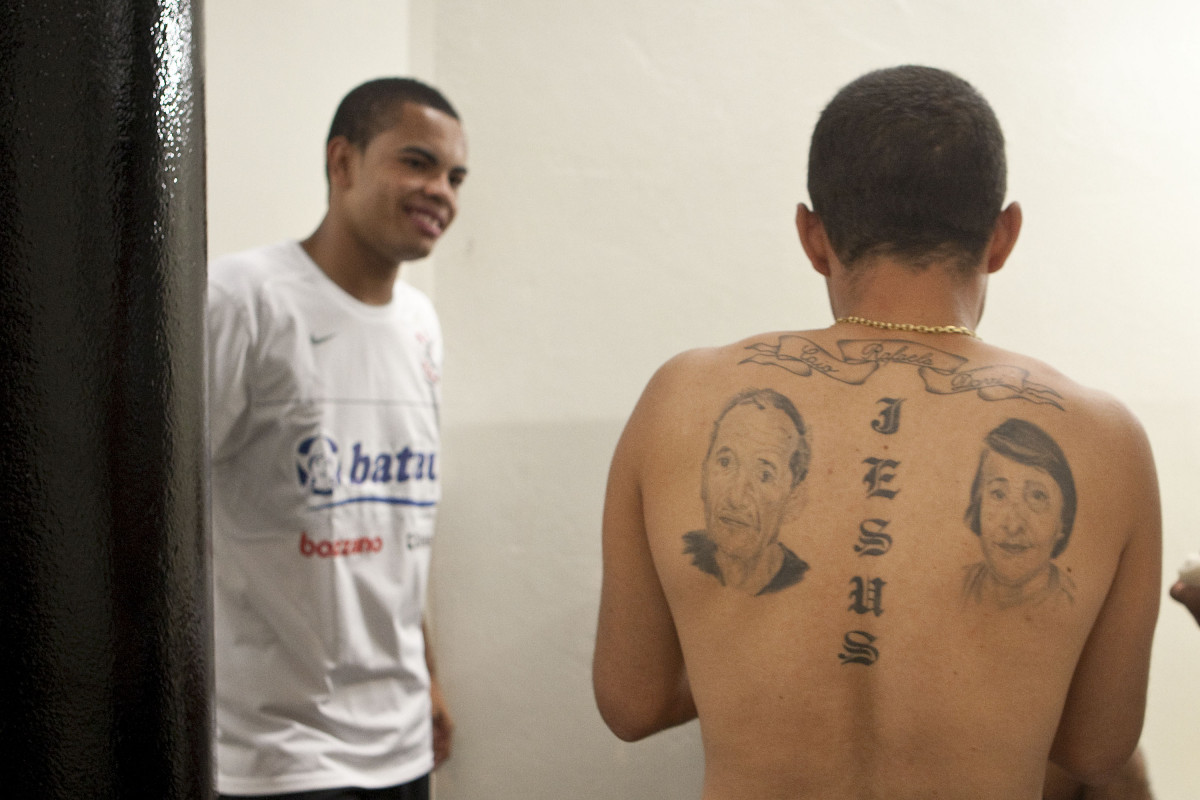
{"points": [[104, 620]]}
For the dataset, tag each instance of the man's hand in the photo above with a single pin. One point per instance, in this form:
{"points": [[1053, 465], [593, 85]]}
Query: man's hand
{"points": [[1189, 596], [443, 726]]}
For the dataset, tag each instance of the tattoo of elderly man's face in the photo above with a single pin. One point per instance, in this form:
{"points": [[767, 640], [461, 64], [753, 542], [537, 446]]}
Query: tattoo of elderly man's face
{"points": [[756, 460], [1022, 509]]}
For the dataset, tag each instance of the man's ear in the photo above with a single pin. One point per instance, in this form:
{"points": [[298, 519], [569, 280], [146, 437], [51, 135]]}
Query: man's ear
{"points": [[813, 239], [339, 161], [1004, 237]]}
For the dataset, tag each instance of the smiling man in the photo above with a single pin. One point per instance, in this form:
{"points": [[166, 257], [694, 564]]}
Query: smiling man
{"points": [[323, 395]]}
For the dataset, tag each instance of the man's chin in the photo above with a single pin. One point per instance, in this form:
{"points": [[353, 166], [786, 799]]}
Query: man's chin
{"points": [[413, 247], [414, 254], [739, 547]]}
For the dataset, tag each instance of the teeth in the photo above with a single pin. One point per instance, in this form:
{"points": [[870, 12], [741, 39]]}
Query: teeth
{"points": [[429, 219]]}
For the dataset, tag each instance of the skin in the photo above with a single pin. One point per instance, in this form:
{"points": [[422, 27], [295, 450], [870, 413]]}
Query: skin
{"points": [[1131, 783], [747, 484], [1189, 597], [781, 715], [389, 202], [443, 723], [1020, 520]]}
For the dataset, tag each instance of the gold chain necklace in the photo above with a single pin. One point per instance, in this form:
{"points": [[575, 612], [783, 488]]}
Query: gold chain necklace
{"points": [[908, 326]]}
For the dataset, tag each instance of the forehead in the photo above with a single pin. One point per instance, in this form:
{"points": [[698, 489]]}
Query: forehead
{"points": [[999, 466], [751, 426], [415, 125]]}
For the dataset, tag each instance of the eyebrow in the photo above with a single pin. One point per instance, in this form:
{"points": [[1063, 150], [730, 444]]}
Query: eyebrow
{"points": [[723, 449], [431, 156]]}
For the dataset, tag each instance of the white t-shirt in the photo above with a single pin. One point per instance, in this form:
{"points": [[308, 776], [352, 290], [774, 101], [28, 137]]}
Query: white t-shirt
{"points": [[325, 483]]}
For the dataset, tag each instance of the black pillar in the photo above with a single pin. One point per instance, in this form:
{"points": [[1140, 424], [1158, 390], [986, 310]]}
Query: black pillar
{"points": [[104, 613]]}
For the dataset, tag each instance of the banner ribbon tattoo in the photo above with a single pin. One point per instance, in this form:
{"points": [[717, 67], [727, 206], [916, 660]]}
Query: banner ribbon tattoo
{"points": [[940, 371]]}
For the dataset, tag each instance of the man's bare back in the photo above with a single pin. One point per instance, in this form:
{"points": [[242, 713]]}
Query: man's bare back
{"points": [[917, 653], [884, 559]]}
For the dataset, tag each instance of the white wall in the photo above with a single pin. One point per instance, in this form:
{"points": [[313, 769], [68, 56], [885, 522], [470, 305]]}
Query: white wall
{"points": [[275, 71], [634, 170]]}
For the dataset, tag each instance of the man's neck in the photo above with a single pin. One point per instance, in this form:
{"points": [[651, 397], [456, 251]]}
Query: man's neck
{"points": [[361, 275], [887, 291]]}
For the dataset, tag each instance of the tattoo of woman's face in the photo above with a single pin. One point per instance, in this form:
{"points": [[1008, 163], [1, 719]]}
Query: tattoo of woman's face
{"points": [[1020, 518], [1022, 509]]}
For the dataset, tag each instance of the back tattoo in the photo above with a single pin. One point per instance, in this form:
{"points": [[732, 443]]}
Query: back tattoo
{"points": [[1021, 507], [757, 458], [942, 372]]}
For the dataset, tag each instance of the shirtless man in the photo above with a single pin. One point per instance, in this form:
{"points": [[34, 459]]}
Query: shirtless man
{"points": [[872, 676]]}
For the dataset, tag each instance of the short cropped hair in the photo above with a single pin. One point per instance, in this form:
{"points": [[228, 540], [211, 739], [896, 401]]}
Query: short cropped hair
{"points": [[375, 106], [1026, 443], [908, 162], [764, 399]]}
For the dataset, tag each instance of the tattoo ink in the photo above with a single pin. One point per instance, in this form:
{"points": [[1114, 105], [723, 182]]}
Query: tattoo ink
{"points": [[882, 472], [941, 372], [888, 421], [872, 541], [858, 647], [1022, 509], [867, 595], [757, 458]]}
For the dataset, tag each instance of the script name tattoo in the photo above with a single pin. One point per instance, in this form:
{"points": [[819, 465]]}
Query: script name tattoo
{"points": [[856, 360]]}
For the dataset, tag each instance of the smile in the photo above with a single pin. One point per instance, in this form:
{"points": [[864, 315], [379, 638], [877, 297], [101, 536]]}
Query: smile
{"points": [[430, 224]]}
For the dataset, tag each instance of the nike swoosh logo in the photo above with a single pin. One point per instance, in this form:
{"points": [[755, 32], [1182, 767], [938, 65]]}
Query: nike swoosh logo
{"points": [[321, 339]]}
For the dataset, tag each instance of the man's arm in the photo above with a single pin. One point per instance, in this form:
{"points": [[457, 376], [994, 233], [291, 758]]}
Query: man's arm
{"points": [[443, 723], [638, 674], [1132, 783], [1102, 719]]}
